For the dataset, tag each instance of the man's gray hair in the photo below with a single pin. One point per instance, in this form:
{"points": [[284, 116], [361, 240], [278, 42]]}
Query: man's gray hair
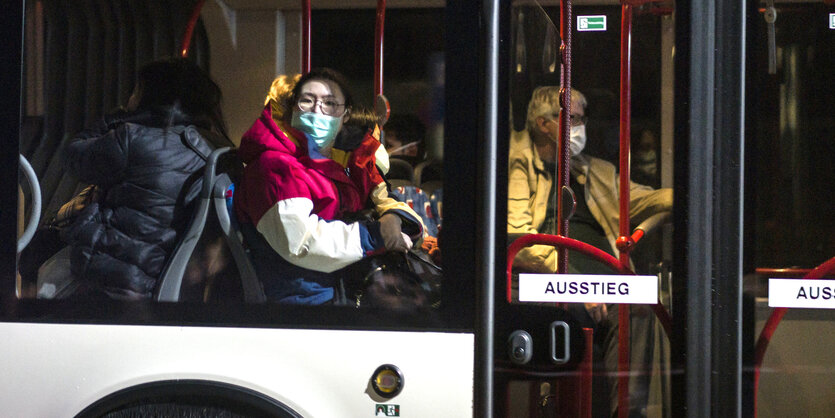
{"points": [[545, 100]]}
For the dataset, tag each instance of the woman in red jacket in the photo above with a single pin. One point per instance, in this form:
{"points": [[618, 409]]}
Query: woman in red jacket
{"points": [[304, 176]]}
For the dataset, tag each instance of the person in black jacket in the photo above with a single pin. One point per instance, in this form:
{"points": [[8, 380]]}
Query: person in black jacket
{"points": [[146, 164]]}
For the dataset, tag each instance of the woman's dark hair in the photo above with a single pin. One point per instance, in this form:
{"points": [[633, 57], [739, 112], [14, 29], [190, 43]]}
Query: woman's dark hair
{"points": [[181, 90], [363, 118], [361, 121], [319, 74]]}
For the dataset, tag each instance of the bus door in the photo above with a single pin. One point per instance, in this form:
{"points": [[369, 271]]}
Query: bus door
{"points": [[790, 232], [578, 266]]}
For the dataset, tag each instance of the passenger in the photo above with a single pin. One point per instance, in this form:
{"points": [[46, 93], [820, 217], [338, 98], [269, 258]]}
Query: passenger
{"points": [[532, 189], [146, 165], [532, 206], [303, 176], [278, 99], [404, 138], [645, 158]]}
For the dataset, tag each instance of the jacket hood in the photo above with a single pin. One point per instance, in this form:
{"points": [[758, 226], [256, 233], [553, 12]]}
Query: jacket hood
{"points": [[265, 135]]}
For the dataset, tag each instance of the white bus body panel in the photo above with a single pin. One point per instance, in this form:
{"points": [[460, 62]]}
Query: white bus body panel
{"points": [[57, 370]]}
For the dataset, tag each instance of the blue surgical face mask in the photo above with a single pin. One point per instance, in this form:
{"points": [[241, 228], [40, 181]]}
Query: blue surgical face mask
{"points": [[320, 129]]}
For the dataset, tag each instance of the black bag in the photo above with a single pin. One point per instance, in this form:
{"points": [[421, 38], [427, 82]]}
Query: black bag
{"points": [[395, 281]]}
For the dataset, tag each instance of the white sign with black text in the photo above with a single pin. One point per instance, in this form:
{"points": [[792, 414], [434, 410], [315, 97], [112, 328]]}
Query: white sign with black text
{"points": [[588, 288], [798, 293]]}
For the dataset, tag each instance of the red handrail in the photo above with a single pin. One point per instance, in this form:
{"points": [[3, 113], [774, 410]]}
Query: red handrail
{"points": [[785, 272], [306, 36], [625, 115], [562, 242], [774, 320], [625, 128], [185, 44], [586, 370], [581, 247], [378, 47]]}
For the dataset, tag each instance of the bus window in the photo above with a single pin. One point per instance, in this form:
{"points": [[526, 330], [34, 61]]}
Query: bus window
{"points": [[590, 195], [212, 248]]}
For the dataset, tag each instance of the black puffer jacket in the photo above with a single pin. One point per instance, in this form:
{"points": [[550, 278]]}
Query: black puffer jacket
{"points": [[149, 175]]}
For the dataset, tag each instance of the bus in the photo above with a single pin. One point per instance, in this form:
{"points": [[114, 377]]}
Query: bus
{"points": [[725, 104]]}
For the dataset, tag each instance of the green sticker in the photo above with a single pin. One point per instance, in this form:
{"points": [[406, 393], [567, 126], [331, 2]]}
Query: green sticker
{"points": [[591, 23], [383, 410]]}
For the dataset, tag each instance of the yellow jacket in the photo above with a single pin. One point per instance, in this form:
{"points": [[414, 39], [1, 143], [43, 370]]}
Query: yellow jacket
{"points": [[529, 186]]}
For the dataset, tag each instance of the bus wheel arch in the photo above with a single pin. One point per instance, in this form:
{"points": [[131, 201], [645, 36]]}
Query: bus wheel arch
{"points": [[191, 396]]}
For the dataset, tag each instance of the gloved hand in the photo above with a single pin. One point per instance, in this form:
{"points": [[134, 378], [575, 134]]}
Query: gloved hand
{"points": [[393, 236]]}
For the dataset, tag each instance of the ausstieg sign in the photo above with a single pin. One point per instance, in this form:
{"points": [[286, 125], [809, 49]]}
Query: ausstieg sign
{"points": [[588, 288], [800, 293]]}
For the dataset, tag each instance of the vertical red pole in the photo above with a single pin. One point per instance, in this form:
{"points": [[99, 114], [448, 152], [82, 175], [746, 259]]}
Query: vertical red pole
{"points": [[586, 374], [625, 115], [378, 47], [565, 125], [305, 36], [185, 44]]}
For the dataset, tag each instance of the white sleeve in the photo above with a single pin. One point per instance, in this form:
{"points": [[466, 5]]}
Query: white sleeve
{"points": [[304, 239]]}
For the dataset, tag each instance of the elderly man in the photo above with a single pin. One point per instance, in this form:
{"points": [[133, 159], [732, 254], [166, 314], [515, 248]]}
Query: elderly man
{"points": [[532, 189], [532, 205]]}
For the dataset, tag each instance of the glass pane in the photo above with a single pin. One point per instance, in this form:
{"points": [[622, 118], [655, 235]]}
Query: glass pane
{"points": [[593, 147], [788, 213], [119, 135]]}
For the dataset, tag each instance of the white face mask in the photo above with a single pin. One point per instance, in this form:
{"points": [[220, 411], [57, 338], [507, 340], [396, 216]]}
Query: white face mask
{"points": [[578, 140]]}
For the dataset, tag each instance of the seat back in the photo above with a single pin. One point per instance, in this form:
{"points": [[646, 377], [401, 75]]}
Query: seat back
{"points": [[400, 173], [429, 176], [217, 180], [419, 201], [221, 200]]}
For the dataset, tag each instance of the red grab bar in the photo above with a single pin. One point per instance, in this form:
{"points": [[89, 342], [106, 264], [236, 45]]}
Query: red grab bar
{"points": [[774, 320], [561, 242], [586, 369], [185, 44], [625, 115], [378, 47], [579, 246], [305, 36], [786, 272]]}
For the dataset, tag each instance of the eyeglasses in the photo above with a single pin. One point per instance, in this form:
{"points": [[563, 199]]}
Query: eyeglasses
{"points": [[329, 107], [577, 120], [573, 120]]}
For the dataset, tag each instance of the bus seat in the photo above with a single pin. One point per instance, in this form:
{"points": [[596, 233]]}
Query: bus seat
{"points": [[217, 181], [429, 175], [400, 173], [419, 201], [171, 279], [221, 196]]}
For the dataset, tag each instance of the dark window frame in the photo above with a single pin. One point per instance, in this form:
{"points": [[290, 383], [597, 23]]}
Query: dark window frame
{"points": [[455, 315]]}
